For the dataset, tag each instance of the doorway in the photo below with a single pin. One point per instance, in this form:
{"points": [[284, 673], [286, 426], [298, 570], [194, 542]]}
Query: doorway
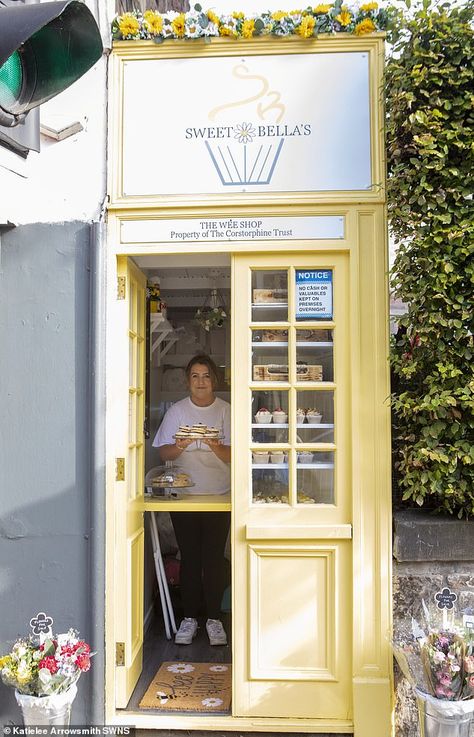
{"points": [[176, 330]]}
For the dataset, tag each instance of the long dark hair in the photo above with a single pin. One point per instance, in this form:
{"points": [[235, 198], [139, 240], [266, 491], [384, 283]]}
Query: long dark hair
{"points": [[204, 360]]}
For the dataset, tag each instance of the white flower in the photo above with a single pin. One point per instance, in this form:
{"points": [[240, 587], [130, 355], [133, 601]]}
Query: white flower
{"points": [[218, 668], [211, 30], [192, 26], [212, 702], [180, 668], [244, 132], [438, 656]]}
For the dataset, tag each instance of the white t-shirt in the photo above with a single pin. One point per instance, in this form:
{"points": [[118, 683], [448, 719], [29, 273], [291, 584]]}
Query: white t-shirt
{"points": [[210, 475]]}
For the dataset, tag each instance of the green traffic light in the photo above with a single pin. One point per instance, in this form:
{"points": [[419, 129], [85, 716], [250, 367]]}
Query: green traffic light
{"points": [[11, 80]]}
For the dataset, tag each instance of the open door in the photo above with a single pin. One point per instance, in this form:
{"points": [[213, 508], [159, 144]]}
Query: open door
{"points": [[292, 568], [129, 481]]}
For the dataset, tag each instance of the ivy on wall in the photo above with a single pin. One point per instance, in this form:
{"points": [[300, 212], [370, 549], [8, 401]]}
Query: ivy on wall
{"points": [[430, 115]]}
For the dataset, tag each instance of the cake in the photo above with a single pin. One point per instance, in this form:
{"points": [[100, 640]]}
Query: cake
{"points": [[263, 415], [197, 431], [313, 416], [279, 415]]}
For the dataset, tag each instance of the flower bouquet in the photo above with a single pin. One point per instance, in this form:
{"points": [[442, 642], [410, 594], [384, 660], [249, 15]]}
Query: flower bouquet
{"points": [[438, 661], [44, 668]]}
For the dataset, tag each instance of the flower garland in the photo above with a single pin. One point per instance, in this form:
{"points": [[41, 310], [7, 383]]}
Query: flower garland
{"points": [[197, 23]]}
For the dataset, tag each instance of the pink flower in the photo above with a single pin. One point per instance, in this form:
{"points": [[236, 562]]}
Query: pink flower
{"points": [[83, 662], [49, 663], [444, 678], [443, 693], [469, 663]]}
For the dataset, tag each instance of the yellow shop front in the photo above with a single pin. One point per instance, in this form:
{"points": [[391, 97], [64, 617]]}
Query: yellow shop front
{"points": [[255, 195]]}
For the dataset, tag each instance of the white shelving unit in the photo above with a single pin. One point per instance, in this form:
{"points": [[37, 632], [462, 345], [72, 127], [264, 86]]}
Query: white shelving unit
{"points": [[163, 336]]}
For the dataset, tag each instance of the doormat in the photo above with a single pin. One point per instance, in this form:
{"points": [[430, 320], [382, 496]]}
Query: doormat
{"points": [[190, 687]]}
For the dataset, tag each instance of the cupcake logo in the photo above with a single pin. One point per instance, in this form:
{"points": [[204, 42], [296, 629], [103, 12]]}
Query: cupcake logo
{"points": [[247, 152]]}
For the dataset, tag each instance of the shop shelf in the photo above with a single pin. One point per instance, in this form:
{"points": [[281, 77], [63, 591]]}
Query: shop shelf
{"points": [[264, 425]]}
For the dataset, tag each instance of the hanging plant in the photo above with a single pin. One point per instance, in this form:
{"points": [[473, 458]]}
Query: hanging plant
{"points": [[210, 318]]}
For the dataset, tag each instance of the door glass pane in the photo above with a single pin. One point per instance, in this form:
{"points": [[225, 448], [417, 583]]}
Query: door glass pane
{"points": [[270, 416], [315, 417], [314, 350], [315, 477], [269, 477], [269, 296], [270, 355]]}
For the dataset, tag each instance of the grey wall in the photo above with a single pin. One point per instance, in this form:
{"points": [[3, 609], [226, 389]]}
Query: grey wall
{"points": [[46, 445]]}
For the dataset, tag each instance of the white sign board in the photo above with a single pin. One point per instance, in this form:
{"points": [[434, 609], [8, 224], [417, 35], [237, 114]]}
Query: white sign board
{"points": [[268, 123], [232, 229], [313, 294]]}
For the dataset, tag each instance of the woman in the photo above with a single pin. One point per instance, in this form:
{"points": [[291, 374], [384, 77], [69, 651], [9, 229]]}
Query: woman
{"points": [[201, 536]]}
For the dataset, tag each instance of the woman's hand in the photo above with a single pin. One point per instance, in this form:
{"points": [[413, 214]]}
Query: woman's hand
{"points": [[183, 443], [221, 451]]}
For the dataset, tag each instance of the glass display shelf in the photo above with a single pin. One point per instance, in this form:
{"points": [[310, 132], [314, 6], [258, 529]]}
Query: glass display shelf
{"points": [[271, 425], [307, 425], [271, 466], [320, 466]]}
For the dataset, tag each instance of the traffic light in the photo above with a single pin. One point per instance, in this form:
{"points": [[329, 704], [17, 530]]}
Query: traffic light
{"points": [[44, 48]]}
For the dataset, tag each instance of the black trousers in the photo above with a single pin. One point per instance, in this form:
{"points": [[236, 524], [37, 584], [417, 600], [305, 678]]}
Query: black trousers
{"points": [[201, 537]]}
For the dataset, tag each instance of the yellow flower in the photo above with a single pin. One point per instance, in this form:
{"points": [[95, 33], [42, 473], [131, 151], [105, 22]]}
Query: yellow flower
{"points": [[238, 16], [4, 661], [321, 9], [128, 25], [213, 17], [306, 27], [226, 31], [365, 26], [278, 15], [344, 17], [369, 6], [248, 27], [153, 22], [295, 12], [178, 25]]}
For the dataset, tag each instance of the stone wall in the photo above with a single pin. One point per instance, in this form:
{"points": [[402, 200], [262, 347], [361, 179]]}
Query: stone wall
{"points": [[430, 552]]}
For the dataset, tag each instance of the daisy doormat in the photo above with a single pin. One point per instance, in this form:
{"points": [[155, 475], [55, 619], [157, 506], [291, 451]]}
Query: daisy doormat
{"points": [[185, 686]]}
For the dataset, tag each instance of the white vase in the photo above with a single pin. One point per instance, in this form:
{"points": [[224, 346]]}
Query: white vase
{"points": [[53, 709], [440, 718]]}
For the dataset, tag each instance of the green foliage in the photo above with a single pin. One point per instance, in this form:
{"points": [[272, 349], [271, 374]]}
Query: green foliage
{"points": [[430, 95]]}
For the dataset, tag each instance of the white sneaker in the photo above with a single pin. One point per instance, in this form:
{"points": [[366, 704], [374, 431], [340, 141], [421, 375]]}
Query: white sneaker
{"points": [[216, 632], [187, 631]]}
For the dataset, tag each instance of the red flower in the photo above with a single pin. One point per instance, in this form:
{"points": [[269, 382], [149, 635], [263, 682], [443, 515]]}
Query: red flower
{"points": [[83, 661], [49, 663], [82, 646]]}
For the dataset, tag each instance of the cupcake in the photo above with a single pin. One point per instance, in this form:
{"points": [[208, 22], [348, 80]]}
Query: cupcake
{"points": [[279, 415], [314, 416], [277, 457], [261, 456], [263, 415], [305, 457], [300, 415]]}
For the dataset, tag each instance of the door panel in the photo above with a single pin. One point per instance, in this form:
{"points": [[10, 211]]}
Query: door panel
{"points": [[128, 519], [292, 492]]}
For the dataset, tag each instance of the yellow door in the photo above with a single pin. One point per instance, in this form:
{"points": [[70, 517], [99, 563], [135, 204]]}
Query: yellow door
{"points": [[129, 484], [292, 572]]}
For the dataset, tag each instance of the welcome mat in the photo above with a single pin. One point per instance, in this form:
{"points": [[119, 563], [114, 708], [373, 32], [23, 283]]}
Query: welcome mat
{"points": [[190, 687]]}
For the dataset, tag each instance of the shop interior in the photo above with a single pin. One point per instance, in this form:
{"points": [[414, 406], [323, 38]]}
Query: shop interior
{"points": [[177, 331]]}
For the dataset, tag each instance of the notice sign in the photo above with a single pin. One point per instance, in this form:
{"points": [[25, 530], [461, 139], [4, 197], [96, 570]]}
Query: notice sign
{"points": [[313, 295]]}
